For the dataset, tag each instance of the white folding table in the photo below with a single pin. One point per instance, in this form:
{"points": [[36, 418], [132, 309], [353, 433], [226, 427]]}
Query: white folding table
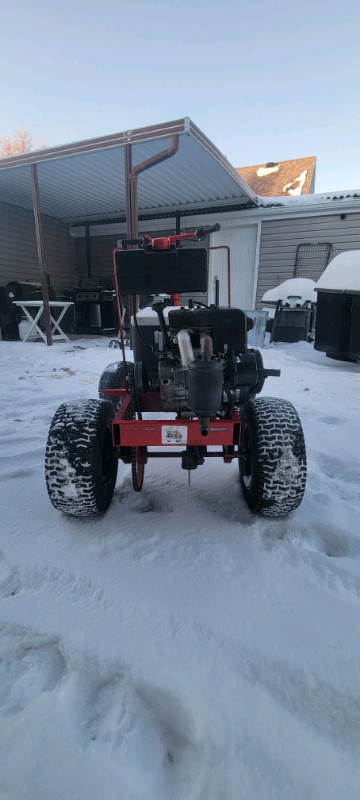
{"points": [[38, 305]]}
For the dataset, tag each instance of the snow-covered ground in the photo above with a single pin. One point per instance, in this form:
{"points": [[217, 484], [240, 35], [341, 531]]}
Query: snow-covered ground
{"points": [[179, 648]]}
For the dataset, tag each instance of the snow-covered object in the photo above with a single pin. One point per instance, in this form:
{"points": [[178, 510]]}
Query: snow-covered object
{"points": [[148, 315], [342, 274], [24, 326], [303, 288]]}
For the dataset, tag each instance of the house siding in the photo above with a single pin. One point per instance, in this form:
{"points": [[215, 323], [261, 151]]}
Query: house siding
{"points": [[281, 237], [18, 251]]}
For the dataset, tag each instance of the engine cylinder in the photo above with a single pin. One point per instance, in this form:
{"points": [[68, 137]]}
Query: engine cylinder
{"points": [[205, 387]]}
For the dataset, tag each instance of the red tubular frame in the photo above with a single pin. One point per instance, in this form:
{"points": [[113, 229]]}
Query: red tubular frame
{"points": [[128, 432], [119, 310], [225, 247]]}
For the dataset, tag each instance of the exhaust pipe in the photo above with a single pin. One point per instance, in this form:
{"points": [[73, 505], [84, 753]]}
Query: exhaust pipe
{"points": [[206, 346], [185, 347]]}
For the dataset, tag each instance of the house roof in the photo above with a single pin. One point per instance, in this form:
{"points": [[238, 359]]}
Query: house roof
{"points": [[85, 181], [281, 178]]}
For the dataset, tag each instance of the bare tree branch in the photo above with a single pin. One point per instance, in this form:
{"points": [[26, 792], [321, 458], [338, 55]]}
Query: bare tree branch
{"points": [[21, 141]]}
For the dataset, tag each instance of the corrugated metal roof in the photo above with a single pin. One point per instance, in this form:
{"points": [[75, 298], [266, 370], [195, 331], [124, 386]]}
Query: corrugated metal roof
{"points": [[86, 181]]}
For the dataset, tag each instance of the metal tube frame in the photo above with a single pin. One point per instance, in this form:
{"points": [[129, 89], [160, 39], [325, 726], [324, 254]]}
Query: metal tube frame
{"points": [[128, 432], [88, 250], [131, 196], [40, 251], [225, 247]]}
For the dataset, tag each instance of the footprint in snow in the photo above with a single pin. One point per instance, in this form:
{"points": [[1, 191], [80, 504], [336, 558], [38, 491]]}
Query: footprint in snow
{"points": [[317, 538], [30, 665], [333, 467], [140, 732], [332, 420], [146, 501], [9, 579]]}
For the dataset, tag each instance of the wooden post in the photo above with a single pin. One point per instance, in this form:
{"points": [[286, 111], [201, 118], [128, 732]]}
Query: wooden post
{"points": [[40, 250]]}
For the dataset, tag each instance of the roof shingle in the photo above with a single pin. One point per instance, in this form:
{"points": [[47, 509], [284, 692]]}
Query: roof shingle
{"points": [[286, 178]]}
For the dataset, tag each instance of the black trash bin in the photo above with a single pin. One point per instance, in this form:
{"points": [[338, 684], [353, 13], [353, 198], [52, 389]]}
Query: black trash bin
{"points": [[337, 331], [292, 322], [294, 313]]}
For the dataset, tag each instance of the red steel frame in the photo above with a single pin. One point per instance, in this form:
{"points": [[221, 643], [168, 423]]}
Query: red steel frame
{"points": [[141, 434]]}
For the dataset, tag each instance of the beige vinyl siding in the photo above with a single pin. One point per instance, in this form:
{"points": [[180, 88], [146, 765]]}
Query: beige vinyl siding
{"points": [[18, 252], [281, 237]]}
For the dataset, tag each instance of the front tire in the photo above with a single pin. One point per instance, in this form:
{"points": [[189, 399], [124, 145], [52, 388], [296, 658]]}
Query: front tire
{"points": [[273, 462], [80, 461]]}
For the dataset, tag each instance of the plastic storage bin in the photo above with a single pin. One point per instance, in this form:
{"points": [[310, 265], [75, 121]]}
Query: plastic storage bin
{"points": [[337, 331]]}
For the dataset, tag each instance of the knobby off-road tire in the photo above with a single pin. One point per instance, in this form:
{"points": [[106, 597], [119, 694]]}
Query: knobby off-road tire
{"points": [[80, 467], [113, 377], [273, 469]]}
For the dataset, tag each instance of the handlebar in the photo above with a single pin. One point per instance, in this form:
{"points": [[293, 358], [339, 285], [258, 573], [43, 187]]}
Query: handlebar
{"points": [[165, 242], [204, 231]]}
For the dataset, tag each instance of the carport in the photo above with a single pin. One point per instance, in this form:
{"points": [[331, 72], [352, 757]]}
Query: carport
{"points": [[166, 170]]}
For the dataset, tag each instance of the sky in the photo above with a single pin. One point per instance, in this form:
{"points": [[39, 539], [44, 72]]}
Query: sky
{"points": [[265, 81]]}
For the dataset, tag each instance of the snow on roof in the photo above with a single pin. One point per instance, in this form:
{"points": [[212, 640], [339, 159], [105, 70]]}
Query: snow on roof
{"points": [[343, 273], [276, 178], [263, 171], [294, 287], [292, 188], [308, 199]]}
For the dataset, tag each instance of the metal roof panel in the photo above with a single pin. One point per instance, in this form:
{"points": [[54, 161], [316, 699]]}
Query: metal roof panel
{"points": [[84, 182]]}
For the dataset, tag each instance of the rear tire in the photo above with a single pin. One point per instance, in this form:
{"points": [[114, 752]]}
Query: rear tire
{"points": [[273, 469], [80, 467], [113, 377]]}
